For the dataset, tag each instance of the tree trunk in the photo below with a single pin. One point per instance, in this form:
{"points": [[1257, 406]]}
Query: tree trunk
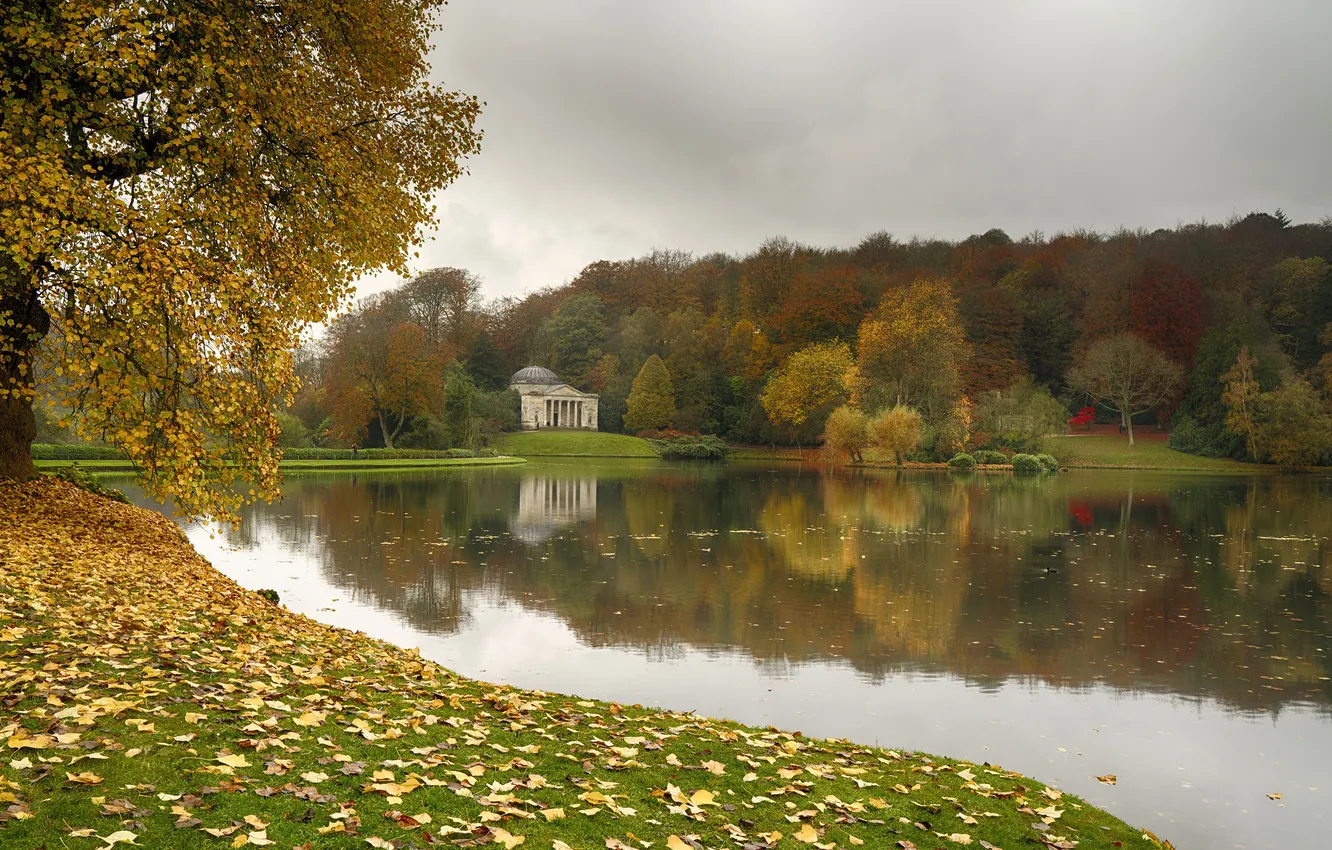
{"points": [[1128, 425], [18, 345]]}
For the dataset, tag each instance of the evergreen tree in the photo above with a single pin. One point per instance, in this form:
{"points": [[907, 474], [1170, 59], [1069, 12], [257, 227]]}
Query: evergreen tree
{"points": [[651, 401], [485, 363], [577, 334]]}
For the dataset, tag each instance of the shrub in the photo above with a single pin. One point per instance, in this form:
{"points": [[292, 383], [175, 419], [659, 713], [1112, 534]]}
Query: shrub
{"points": [[1215, 440], [1048, 463], [85, 480], [897, 431], [699, 447], [269, 594], [962, 460], [846, 433], [55, 451], [990, 457], [1025, 464], [459, 453], [487, 453]]}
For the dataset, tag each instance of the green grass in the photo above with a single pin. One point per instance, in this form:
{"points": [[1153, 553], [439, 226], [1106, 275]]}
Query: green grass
{"points": [[106, 466], [556, 443], [149, 698], [1111, 452]]}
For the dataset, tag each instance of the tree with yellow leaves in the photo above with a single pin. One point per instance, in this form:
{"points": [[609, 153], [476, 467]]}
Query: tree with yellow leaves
{"points": [[808, 384], [911, 350], [184, 188]]}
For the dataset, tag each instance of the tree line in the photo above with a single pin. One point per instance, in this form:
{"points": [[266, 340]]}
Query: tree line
{"points": [[1221, 333]]}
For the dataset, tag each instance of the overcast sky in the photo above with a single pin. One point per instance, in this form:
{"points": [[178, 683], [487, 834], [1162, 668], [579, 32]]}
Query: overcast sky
{"points": [[616, 126]]}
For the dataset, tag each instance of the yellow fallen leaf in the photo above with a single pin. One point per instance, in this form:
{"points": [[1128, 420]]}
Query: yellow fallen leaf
{"points": [[314, 776], [21, 740], [260, 838], [123, 836], [1274, 796], [552, 814], [85, 778], [855, 840], [557, 844], [749, 777], [194, 717], [675, 842], [771, 838], [506, 838], [254, 821], [21, 764], [960, 838], [236, 760], [807, 834], [82, 833], [1108, 779], [703, 797], [716, 768], [310, 718]]}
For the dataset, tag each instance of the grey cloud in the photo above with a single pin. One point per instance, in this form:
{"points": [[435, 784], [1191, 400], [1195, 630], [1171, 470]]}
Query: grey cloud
{"points": [[616, 127]]}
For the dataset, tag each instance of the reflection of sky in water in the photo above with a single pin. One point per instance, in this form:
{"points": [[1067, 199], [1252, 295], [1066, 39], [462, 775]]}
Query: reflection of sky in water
{"points": [[1191, 766]]}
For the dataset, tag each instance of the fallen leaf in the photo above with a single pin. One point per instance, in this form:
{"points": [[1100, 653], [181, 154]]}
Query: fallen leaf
{"points": [[1108, 779], [807, 834], [123, 836]]}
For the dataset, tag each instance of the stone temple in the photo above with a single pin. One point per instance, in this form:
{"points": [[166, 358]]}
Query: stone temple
{"points": [[548, 402]]}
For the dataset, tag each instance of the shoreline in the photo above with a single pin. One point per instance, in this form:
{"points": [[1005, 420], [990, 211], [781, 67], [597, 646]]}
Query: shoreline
{"points": [[101, 467], [190, 709]]}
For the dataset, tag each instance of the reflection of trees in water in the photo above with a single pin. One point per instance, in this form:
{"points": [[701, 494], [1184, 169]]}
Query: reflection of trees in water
{"points": [[1203, 586]]}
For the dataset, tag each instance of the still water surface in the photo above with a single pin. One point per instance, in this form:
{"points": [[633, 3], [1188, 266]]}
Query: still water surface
{"points": [[1173, 631]]}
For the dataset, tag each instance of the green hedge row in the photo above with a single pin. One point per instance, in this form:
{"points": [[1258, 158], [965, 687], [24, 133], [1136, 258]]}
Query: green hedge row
{"points": [[56, 451], [383, 454], [53, 451], [691, 447]]}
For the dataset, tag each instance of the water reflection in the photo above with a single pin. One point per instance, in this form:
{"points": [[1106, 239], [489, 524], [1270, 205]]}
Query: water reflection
{"points": [[1213, 588]]}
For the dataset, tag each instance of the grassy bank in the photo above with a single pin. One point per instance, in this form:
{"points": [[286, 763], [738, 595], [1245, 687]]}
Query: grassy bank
{"points": [[554, 443], [1114, 452], [382, 465], [150, 701]]}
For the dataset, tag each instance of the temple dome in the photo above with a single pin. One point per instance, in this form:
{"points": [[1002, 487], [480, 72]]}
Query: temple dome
{"points": [[538, 375]]}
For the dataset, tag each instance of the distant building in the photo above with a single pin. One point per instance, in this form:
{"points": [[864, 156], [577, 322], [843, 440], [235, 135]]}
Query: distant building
{"points": [[550, 403]]}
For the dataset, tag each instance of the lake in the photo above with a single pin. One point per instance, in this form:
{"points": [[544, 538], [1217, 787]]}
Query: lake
{"points": [[1174, 631]]}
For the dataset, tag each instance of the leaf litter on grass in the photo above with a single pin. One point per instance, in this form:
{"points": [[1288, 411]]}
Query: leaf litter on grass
{"points": [[150, 701]]}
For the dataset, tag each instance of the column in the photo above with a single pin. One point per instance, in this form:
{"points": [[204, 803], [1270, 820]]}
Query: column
{"points": [[580, 414], [547, 413]]}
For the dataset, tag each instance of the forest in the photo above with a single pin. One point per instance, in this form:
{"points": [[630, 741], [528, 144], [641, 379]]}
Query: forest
{"points": [[1220, 334]]}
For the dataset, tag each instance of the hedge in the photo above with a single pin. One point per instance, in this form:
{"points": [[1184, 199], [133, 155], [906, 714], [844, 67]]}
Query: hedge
{"points": [[1025, 464], [57, 451], [962, 460], [688, 447], [1048, 463], [990, 457]]}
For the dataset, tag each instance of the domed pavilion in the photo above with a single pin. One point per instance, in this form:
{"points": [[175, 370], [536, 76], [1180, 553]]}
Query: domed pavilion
{"points": [[548, 402]]}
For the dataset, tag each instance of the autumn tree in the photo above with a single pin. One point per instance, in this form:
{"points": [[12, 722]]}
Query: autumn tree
{"points": [[809, 384], [748, 353], [820, 305], [1167, 311], [1240, 398], [1293, 426], [912, 349], [445, 302], [897, 431], [1126, 374], [651, 402], [847, 433], [380, 369], [184, 188]]}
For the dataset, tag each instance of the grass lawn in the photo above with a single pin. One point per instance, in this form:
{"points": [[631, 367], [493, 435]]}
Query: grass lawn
{"points": [[150, 701], [382, 465], [556, 443], [1115, 452]]}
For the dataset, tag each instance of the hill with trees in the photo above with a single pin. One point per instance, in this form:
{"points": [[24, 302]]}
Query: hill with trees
{"points": [[994, 342]]}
